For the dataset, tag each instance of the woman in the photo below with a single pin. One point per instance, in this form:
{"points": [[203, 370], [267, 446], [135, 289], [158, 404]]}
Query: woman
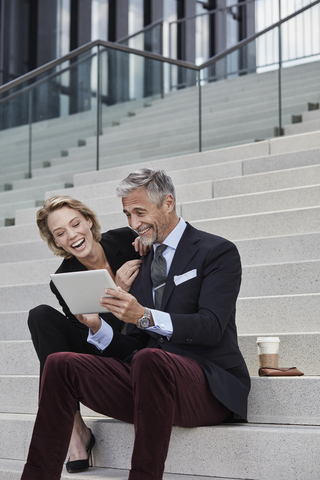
{"points": [[72, 231]]}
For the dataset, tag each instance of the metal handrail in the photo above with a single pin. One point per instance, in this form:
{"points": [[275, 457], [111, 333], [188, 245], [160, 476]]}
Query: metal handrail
{"points": [[250, 39], [209, 12], [88, 46], [152, 56], [143, 30]]}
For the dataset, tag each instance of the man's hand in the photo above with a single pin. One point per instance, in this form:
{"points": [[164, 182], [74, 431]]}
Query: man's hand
{"points": [[92, 320], [126, 274], [123, 305], [139, 247]]}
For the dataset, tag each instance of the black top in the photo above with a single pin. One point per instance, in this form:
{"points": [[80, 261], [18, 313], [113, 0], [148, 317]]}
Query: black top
{"points": [[117, 246]]}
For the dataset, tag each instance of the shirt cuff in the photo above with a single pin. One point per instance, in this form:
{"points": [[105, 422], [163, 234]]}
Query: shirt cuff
{"points": [[162, 323], [102, 338]]}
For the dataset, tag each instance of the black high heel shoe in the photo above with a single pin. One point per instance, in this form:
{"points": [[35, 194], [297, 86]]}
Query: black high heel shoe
{"points": [[81, 465]]}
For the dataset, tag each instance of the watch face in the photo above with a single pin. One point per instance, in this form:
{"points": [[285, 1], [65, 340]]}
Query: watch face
{"points": [[144, 322]]}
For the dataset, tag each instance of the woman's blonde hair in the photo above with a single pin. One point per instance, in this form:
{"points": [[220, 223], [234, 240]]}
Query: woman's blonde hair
{"points": [[55, 203]]}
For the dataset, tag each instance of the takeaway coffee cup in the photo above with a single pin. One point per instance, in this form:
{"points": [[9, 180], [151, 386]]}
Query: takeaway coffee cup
{"points": [[268, 351]]}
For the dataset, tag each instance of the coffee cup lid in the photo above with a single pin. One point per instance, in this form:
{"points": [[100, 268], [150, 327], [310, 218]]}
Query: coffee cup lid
{"points": [[268, 339]]}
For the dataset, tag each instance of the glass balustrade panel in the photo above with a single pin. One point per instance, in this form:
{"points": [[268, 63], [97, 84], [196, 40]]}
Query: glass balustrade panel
{"points": [[239, 104], [14, 158], [300, 73], [151, 114], [64, 118]]}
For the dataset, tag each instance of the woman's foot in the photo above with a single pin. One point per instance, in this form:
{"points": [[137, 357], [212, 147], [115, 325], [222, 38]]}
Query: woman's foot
{"points": [[80, 439]]}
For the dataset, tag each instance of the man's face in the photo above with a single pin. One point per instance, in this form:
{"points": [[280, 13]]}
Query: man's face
{"points": [[152, 224]]}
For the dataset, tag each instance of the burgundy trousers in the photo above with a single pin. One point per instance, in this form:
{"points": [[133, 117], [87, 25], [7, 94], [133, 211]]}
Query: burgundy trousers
{"points": [[156, 391]]}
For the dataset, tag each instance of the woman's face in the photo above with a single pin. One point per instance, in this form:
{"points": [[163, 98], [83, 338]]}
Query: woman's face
{"points": [[71, 231]]}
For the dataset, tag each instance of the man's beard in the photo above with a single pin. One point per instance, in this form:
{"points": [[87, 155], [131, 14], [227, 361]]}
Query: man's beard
{"points": [[156, 235]]}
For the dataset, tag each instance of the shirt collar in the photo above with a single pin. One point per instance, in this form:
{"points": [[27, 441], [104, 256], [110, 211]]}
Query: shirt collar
{"points": [[174, 237]]}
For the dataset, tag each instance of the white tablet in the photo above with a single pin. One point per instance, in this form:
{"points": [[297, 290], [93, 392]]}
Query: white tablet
{"points": [[82, 290]]}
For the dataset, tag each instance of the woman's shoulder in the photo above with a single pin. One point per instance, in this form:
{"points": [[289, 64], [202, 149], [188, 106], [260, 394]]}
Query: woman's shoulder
{"points": [[70, 265], [122, 235], [118, 242]]}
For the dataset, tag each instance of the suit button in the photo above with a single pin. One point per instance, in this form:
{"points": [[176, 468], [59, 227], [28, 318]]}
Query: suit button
{"points": [[161, 340]]}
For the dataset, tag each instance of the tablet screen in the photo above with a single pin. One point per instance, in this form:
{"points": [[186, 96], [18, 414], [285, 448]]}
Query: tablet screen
{"points": [[82, 290]]}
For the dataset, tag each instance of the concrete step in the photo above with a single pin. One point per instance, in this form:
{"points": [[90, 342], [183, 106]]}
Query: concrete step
{"points": [[12, 469], [45, 180], [29, 192], [311, 115], [296, 350], [275, 400], [262, 182], [19, 233], [24, 297], [294, 143], [189, 453], [24, 251], [285, 249], [64, 165], [28, 272], [238, 152], [252, 203], [280, 249], [299, 349], [13, 326], [292, 278], [101, 199], [278, 314], [8, 210], [275, 146], [270, 224], [303, 127], [280, 279], [212, 158]]}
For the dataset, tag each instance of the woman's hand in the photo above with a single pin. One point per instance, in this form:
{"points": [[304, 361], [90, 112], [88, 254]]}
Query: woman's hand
{"points": [[139, 247], [123, 305], [91, 320], [126, 274]]}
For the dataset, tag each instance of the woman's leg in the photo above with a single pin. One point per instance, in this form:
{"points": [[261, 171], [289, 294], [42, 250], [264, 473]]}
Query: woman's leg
{"points": [[52, 332]]}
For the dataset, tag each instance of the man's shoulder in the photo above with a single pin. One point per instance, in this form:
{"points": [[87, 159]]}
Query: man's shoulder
{"points": [[207, 239]]}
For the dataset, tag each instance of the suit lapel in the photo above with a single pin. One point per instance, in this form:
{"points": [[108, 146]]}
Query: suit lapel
{"points": [[186, 250]]}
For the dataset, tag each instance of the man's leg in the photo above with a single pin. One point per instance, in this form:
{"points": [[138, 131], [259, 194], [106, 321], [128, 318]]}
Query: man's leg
{"points": [[102, 384], [163, 390], [167, 390]]}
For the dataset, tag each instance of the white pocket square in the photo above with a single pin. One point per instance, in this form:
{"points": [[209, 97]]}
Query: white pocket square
{"points": [[184, 277]]}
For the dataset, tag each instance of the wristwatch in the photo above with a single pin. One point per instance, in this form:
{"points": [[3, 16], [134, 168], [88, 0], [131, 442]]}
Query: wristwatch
{"points": [[144, 322]]}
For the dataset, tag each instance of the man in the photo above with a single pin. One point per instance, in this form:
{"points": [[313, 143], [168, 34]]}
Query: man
{"points": [[182, 365]]}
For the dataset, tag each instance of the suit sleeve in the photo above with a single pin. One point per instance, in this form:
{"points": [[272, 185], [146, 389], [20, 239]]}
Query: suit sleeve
{"points": [[62, 303], [124, 346], [211, 297]]}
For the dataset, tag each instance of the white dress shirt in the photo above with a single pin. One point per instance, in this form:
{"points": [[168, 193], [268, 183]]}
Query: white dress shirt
{"points": [[162, 320]]}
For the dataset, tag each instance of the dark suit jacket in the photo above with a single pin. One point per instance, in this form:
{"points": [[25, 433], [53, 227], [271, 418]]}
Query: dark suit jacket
{"points": [[202, 310], [118, 249]]}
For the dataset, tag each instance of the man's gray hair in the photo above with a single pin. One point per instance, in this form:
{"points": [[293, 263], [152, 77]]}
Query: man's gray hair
{"points": [[156, 182]]}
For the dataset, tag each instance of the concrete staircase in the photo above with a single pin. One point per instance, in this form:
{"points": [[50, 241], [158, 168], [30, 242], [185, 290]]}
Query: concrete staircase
{"points": [[265, 197], [234, 111]]}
